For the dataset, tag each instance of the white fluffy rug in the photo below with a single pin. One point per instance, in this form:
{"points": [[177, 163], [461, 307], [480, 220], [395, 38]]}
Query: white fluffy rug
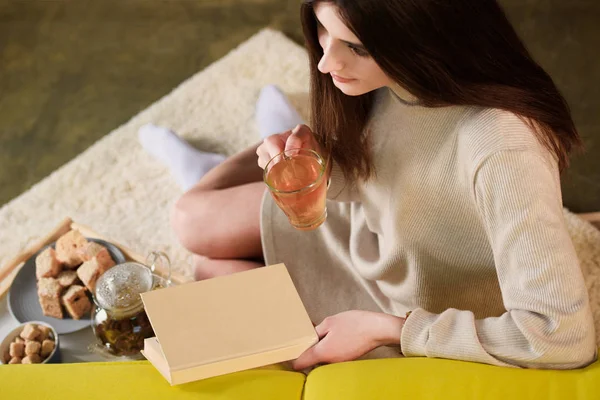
{"points": [[118, 190]]}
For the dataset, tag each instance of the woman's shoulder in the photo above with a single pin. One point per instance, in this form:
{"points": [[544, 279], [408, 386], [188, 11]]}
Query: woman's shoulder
{"points": [[485, 131], [496, 129]]}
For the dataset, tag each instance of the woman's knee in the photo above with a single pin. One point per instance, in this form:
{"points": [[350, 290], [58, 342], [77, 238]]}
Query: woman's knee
{"points": [[188, 216], [204, 269], [178, 219], [220, 224]]}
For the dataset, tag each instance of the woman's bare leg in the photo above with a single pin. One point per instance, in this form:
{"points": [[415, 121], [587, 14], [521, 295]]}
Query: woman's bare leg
{"points": [[239, 169], [206, 268], [219, 218], [221, 224]]}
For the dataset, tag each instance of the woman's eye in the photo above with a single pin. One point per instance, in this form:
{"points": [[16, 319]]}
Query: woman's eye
{"points": [[357, 51]]}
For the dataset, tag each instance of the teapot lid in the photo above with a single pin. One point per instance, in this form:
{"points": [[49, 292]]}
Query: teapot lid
{"points": [[119, 288]]}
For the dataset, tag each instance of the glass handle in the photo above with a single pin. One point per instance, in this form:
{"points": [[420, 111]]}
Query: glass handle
{"points": [[157, 260]]}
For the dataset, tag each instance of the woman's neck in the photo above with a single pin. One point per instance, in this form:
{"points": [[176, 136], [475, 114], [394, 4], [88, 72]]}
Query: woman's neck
{"points": [[404, 95]]}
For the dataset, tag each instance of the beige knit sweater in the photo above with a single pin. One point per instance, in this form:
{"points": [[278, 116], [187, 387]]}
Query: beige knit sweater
{"points": [[463, 225]]}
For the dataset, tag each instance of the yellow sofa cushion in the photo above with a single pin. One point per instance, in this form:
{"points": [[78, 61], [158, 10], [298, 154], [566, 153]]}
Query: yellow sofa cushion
{"points": [[422, 378], [140, 380], [413, 378]]}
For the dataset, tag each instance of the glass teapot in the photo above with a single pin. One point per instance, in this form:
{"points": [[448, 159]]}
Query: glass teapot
{"points": [[119, 321]]}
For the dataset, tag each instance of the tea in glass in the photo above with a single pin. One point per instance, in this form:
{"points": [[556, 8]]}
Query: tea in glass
{"points": [[296, 179]]}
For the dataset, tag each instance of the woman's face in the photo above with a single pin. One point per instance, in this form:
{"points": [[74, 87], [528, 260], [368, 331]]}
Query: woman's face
{"points": [[345, 59]]}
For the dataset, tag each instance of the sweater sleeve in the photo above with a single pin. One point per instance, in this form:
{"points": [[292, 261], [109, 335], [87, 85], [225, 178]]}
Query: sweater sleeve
{"points": [[548, 322]]}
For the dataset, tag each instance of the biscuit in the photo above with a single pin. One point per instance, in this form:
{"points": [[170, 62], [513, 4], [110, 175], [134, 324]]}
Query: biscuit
{"points": [[67, 278], [49, 296], [46, 264], [68, 248], [90, 271], [76, 301], [90, 250]]}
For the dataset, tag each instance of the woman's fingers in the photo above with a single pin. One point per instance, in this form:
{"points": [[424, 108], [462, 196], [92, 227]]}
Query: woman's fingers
{"points": [[309, 358], [272, 145], [263, 156], [301, 137]]}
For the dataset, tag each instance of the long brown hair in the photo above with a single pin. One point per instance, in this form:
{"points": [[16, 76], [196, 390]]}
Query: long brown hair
{"points": [[458, 52]]}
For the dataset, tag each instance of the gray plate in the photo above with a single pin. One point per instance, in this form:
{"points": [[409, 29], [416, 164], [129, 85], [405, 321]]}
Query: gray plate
{"points": [[23, 300]]}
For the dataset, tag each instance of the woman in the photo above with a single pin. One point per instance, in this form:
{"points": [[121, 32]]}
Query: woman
{"points": [[445, 235]]}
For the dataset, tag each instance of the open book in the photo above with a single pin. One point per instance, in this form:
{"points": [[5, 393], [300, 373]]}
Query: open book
{"points": [[226, 324]]}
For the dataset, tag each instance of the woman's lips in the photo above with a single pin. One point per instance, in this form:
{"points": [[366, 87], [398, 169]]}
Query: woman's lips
{"points": [[341, 80]]}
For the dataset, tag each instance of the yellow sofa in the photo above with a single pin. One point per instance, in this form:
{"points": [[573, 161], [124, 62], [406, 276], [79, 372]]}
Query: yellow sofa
{"points": [[410, 378]]}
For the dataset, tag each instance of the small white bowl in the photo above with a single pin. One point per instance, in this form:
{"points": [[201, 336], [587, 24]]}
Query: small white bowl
{"points": [[53, 358]]}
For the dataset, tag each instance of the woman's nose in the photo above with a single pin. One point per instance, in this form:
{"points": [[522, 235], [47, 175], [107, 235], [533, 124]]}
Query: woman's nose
{"points": [[331, 60]]}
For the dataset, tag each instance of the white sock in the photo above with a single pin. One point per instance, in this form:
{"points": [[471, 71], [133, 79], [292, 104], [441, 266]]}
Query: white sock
{"points": [[186, 163], [274, 113]]}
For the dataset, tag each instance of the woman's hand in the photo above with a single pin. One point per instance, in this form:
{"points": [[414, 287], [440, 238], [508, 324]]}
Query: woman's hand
{"points": [[301, 137], [349, 335]]}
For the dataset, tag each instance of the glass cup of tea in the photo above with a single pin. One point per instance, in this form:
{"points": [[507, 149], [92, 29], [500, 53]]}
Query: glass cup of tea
{"points": [[297, 182]]}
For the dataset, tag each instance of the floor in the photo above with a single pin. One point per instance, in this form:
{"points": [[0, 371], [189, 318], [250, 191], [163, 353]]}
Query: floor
{"points": [[73, 70]]}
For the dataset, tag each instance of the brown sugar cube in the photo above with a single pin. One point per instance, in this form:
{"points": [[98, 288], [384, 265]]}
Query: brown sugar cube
{"points": [[17, 349], [32, 347], [46, 264], [44, 332], [90, 271], [49, 296], [76, 302], [19, 339], [32, 359], [47, 348], [67, 278], [90, 250], [68, 248], [30, 332], [15, 360]]}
